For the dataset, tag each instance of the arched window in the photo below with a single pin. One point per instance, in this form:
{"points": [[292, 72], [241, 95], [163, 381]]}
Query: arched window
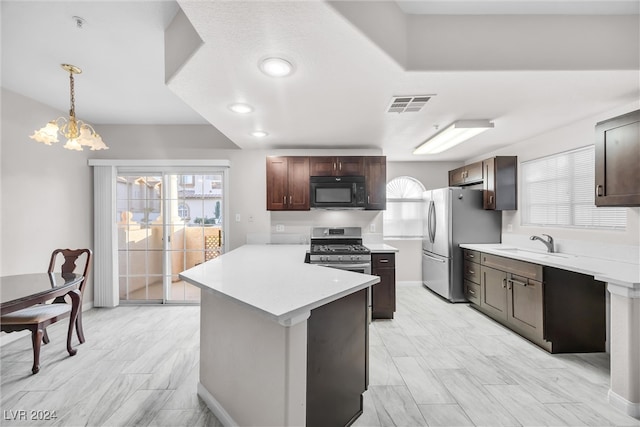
{"points": [[405, 208]]}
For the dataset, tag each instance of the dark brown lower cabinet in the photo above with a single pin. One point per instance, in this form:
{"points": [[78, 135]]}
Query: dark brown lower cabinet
{"points": [[383, 302], [337, 361], [559, 310]]}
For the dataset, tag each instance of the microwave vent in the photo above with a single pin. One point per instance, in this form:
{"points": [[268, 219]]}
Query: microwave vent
{"points": [[408, 104]]}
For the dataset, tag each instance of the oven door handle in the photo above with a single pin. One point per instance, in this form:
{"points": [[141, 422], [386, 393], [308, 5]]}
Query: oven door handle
{"points": [[344, 266]]}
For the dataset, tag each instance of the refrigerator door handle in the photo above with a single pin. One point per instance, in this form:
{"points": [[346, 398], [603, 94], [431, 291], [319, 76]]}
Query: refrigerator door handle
{"points": [[432, 221], [434, 258]]}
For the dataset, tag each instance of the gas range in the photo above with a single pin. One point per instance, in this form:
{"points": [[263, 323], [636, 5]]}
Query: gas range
{"points": [[338, 245]]}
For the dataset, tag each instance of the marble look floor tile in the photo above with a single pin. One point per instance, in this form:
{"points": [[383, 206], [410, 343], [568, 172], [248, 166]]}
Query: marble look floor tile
{"points": [[474, 398], [140, 409], [369, 417], [421, 382], [445, 416], [395, 406], [382, 370], [522, 406], [397, 343]]}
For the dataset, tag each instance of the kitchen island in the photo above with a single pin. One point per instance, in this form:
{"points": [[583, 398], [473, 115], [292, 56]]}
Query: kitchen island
{"points": [[281, 342]]}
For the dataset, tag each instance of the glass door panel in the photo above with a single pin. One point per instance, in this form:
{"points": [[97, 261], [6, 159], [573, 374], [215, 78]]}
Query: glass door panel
{"points": [[167, 223]]}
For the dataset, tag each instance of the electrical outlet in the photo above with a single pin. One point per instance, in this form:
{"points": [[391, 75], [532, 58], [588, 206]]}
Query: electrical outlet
{"points": [[237, 217], [250, 218], [279, 228], [372, 228]]}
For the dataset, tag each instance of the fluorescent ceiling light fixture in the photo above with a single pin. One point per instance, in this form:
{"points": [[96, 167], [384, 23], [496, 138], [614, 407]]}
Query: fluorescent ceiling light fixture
{"points": [[459, 131], [259, 133], [241, 108], [276, 67]]}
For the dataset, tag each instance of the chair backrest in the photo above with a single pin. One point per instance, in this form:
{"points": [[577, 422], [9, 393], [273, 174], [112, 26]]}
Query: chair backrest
{"points": [[69, 265]]}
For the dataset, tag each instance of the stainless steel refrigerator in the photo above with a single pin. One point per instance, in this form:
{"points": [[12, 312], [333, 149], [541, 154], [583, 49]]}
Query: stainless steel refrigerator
{"points": [[453, 215]]}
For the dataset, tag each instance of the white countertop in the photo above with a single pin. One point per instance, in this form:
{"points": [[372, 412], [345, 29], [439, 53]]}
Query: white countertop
{"points": [[274, 280], [380, 247], [613, 272]]}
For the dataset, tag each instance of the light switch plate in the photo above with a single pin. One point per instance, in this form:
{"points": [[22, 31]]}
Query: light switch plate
{"points": [[279, 228]]}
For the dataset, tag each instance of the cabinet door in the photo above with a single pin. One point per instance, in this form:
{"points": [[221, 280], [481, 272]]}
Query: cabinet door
{"points": [[525, 307], [489, 184], [383, 298], [323, 166], [618, 161], [456, 177], [473, 173], [298, 183], [277, 171], [376, 182], [350, 165], [494, 291]]}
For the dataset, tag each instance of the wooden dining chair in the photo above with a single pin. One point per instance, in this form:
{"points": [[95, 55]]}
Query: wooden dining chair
{"points": [[71, 261], [37, 318]]}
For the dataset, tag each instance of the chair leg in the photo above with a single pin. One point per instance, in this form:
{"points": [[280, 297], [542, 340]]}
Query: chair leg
{"points": [[45, 337], [79, 330], [36, 338]]}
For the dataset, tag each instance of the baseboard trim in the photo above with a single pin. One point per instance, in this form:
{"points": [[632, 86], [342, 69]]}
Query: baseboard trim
{"points": [[215, 407], [630, 408]]}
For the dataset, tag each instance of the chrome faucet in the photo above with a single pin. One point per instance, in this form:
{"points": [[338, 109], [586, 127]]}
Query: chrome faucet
{"points": [[548, 242]]}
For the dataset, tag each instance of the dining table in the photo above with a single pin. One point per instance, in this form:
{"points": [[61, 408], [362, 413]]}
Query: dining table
{"points": [[21, 291]]}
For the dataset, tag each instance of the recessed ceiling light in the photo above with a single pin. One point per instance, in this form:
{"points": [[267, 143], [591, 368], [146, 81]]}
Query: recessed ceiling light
{"points": [[241, 108], [276, 67], [259, 133]]}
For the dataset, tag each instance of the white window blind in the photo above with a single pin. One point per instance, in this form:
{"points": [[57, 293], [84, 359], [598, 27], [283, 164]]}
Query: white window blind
{"points": [[405, 208], [558, 190]]}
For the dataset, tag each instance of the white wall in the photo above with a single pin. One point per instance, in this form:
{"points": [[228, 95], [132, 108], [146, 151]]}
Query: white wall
{"points": [[46, 192], [575, 135]]}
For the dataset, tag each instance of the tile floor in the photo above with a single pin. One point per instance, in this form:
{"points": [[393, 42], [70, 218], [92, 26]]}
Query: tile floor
{"points": [[435, 364]]}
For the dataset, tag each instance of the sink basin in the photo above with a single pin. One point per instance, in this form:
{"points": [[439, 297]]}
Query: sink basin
{"points": [[534, 254]]}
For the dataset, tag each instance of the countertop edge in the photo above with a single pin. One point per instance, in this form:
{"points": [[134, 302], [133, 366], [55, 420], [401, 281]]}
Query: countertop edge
{"points": [[612, 277]]}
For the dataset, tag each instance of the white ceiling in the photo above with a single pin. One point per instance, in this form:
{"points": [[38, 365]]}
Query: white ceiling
{"points": [[350, 58]]}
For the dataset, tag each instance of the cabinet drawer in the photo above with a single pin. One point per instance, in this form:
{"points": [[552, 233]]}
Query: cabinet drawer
{"points": [[472, 271], [472, 292], [473, 256], [385, 260], [510, 265]]}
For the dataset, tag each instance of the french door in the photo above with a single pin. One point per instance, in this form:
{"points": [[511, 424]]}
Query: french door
{"points": [[167, 222]]}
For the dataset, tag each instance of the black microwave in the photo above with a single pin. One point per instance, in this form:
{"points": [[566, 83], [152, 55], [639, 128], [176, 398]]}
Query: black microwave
{"points": [[337, 192]]}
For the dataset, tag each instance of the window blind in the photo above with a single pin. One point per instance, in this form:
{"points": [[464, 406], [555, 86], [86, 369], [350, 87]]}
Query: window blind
{"points": [[558, 190], [405, 208]]}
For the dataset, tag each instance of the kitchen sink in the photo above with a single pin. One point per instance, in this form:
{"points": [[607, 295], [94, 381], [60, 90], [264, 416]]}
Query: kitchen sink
{"points": [[534, 254]]}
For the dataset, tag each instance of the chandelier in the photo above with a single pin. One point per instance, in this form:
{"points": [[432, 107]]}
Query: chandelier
{"points": [[77, 132]]}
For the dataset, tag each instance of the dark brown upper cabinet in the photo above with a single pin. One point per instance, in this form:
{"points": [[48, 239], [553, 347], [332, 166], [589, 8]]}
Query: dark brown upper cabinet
{"points": [[288, 183], [375, 172], [466, 175], [618, 161], [337, 166], [500, 183]]}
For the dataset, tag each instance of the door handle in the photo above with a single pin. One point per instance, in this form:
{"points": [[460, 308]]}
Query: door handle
{"points": [[599, 190], [433, 258]]}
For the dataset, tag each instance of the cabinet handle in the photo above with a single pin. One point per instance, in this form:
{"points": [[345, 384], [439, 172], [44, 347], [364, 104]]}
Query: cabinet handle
{"points": [[472, 292], [517, 282], [290, 199], [383, 260], [491, 200], [340, 165], [504, 283], [598, 190], [284, 200], [470, 256], [470, 272], [368, 198], [334, 166]]}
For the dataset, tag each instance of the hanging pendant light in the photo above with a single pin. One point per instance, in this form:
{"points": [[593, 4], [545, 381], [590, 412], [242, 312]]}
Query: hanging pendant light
{"points": [[78, 133]]}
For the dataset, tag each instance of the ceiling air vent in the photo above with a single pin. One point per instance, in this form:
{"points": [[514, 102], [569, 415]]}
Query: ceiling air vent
{"points": [[408, 104]]}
